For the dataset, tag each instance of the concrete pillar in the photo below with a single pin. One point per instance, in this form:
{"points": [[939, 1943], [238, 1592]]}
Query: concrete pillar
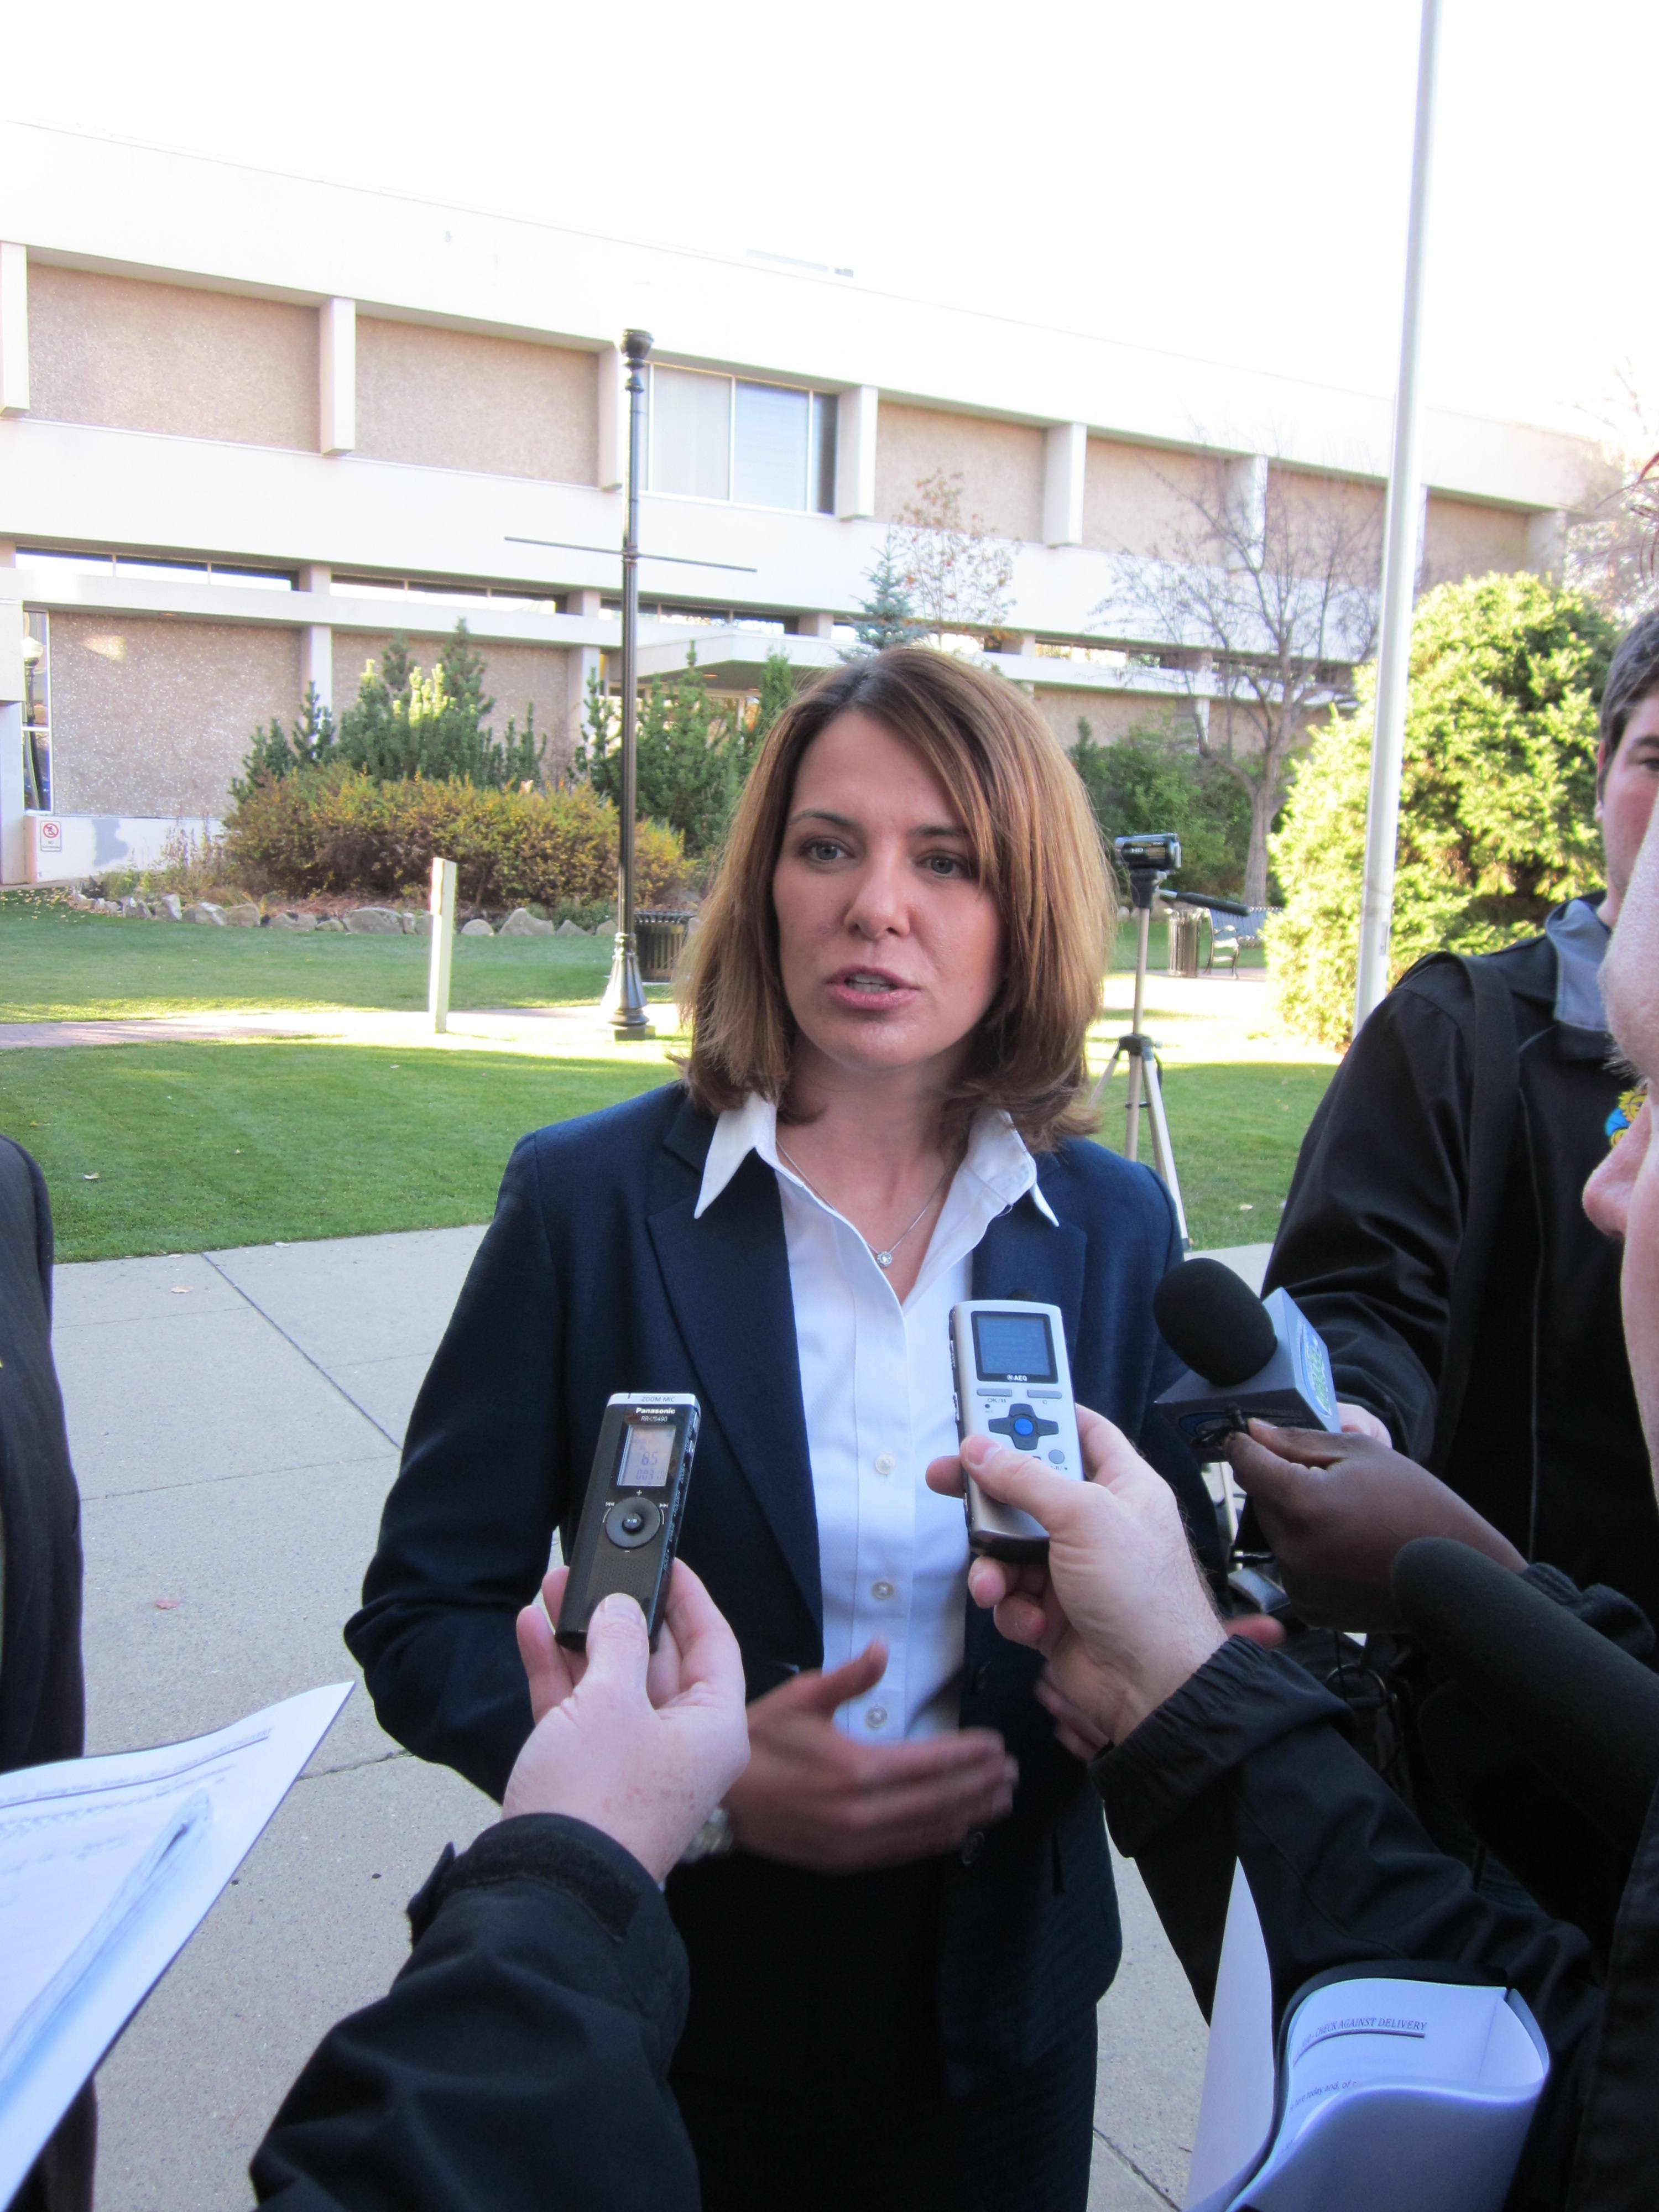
{"points": [[1023, 642], [612, 419], [855, 452], [316, 640], [1546, 542], [1063, 483], [13, 848], [1247, 507], [13, 331], [586, 603], [821, 626], [337, 376]]}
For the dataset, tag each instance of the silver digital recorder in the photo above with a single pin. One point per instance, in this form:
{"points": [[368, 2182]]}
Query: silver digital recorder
{"points": [[1013, 1380]]}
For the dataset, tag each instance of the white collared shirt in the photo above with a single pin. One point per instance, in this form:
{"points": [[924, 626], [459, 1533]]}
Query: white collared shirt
{"points": [[875, 1379]]}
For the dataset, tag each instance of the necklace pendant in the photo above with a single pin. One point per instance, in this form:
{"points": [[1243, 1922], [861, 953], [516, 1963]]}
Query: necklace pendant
{"points": [[883, 1259]]}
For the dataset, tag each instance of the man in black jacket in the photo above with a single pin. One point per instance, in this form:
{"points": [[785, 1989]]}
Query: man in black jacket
{"points": [[1506, 1375], [1210, 1750], [521, 2059], [42, 1704]]}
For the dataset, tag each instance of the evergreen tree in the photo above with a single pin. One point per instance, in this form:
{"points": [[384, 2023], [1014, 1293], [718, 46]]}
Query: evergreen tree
{"points": [[1496, 794], [1148, 780], [776, 691], [684, 768], [889, 613], [275, 753]]}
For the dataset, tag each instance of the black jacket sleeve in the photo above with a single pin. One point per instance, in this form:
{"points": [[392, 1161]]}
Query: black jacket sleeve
{"points": [[1368, 1240], [1245, 1765], [467, 1528], [519, 2061]]}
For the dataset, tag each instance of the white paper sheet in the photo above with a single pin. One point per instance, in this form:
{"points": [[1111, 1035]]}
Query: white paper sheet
{"points": [[107, 1867], [1236, 2114]]}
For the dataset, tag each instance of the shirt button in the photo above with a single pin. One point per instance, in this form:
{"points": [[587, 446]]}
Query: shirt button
{"points": [[885, 1463], [875, 1717], [881, 1590]]}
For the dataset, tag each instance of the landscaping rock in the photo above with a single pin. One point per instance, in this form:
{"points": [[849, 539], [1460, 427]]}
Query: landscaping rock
{"points": [[479, 928], [330, 921], [568, 928], [242, 917], [169, 907], [522, 923], [291, 921], [375, 921], [419, 924], [409, 923], [134, 909], [206, 911]]}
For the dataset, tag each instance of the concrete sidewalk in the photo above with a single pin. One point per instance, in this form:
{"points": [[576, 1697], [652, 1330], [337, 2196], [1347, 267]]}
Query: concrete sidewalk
{"points": [[236, 1418]]}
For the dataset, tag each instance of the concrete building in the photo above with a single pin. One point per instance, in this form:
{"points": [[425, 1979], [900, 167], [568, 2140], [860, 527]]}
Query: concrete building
{"points": [[251, 424]]}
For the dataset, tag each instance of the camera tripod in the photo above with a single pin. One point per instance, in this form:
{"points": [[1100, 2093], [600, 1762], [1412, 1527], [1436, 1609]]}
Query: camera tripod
{"points": [[1142, 1055]]}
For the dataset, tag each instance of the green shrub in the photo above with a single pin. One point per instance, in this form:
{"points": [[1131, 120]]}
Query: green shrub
{"points": [[403, 723], [335, 830], [1497, 797], [1149, 780]]}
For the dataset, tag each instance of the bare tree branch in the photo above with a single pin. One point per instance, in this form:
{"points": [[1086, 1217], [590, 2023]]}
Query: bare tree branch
{"points": [[1264, 609], [957, 574]]}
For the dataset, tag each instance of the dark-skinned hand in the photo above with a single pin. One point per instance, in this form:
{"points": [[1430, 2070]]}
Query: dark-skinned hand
{"points": [[1337, 1511]]}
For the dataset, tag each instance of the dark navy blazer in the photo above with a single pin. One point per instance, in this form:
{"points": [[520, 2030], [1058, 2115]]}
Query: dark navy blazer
{"points": [[594, 1278]]}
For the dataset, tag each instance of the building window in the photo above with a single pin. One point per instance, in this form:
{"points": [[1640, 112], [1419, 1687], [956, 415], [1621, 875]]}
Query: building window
{"points": [[37, 712], [725, 437], [155, 570]]}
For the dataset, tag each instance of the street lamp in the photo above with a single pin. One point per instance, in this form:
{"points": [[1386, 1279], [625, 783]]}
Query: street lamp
{"points": [[625, 994]]}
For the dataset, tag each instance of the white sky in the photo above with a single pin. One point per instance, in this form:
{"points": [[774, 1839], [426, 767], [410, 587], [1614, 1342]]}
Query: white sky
{"points": [[1226, 178]]}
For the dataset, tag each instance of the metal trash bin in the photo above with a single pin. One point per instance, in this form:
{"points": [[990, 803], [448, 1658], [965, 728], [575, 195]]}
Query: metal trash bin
{"points": [[660, 934], [1185, 922]]}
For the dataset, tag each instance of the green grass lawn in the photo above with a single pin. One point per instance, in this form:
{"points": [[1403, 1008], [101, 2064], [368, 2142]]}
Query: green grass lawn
{"points": [[58, 965], [199, 1147], [1235, 1132]]}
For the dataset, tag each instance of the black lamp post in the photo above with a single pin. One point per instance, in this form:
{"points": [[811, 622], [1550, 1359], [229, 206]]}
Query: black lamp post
{"points": [[624, 995]]}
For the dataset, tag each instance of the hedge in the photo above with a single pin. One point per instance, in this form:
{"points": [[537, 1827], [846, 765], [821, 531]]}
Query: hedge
{"points": [[334, 829]]}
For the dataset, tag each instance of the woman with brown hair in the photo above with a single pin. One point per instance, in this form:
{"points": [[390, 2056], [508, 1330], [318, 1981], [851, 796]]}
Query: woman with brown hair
{"points": [[901, 1922]]}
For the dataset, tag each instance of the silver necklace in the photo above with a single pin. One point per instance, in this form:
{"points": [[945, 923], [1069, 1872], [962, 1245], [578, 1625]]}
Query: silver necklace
{"points": [[883, 1259]]}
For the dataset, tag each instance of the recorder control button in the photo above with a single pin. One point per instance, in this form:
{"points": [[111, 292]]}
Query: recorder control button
{"points": [[1024, 1427], [1058, 1457], [631, 1522]]}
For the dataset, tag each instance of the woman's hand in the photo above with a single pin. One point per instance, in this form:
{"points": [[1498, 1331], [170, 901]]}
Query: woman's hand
{"points": [[812, 1797]]}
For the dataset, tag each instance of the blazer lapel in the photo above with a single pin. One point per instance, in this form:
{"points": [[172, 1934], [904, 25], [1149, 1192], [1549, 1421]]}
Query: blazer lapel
{"points": [[727, 1280], [1024, 1255]]}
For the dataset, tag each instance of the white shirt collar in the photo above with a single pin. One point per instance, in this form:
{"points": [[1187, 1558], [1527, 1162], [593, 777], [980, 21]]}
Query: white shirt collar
{"points": [[997, 1156]]}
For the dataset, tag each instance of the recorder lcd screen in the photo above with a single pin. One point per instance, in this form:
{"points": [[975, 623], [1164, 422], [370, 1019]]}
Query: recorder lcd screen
{"points": [[1013, 1347], [650, 1457]]}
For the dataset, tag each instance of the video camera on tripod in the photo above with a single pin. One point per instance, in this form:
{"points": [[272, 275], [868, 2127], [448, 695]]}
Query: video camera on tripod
{"points": [[1146, 858]]}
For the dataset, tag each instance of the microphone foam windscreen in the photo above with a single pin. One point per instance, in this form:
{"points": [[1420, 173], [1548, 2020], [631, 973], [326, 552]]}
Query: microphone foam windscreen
{"points": [[1211, 1319], [1581, 1708]]}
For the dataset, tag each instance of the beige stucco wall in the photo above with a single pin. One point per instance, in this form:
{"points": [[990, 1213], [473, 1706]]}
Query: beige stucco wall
{"points": [[1110, 714], [454, 399], [1137, 499], [1464, 539], [1001, 466], [140, 356], [150, 716], [1312, 506], [516, 677]]}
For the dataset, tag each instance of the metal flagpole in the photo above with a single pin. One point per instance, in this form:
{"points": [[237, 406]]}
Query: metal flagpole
{"points": [[1399, 567], [624, 997]]}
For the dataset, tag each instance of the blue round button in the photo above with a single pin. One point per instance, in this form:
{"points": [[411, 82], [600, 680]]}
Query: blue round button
{"points": [[1024, 1428]]}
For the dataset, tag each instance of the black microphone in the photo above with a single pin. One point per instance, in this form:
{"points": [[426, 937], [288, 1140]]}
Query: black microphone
{"points": [[1252, 1359], [1579, 1707]]}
